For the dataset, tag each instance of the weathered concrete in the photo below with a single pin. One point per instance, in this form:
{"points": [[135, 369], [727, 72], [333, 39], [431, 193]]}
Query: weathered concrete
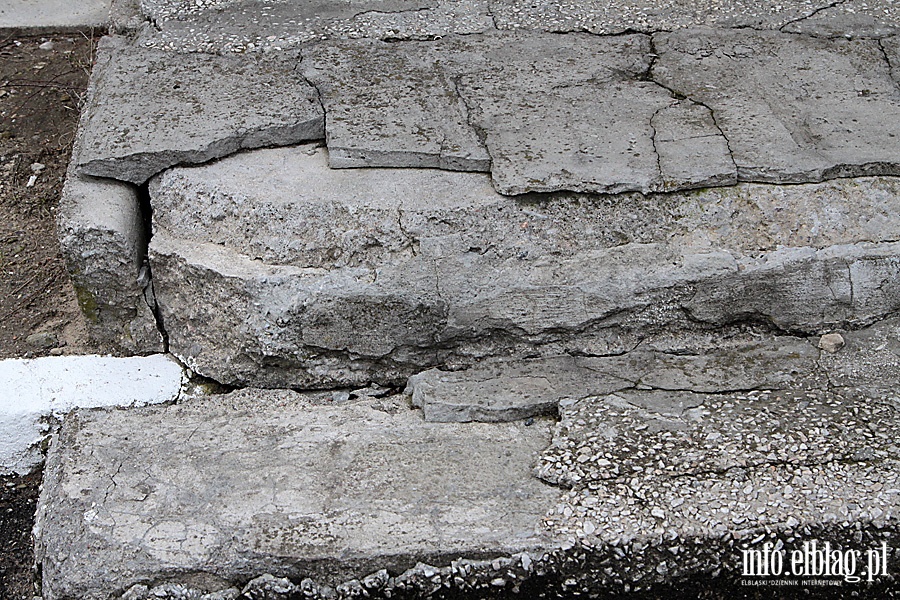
{"points": [[149, 110], [851, 19], [237, 26], [668, 15], [102, 237], [392, 277], [330, 497], [555, 113], [389, 106], [672, 434], [41, 390], [269, 25], [793, 108], [510, 390], [215, 492], [546, 113]]}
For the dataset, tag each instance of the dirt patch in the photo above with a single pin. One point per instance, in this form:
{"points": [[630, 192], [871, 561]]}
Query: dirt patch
{"points": [[42, 85], [18, 498]]}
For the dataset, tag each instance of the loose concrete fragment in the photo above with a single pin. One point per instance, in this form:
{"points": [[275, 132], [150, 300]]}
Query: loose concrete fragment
{"points": [[288, 486], [506, 391], [149, 110], [510, 390], [102, 237], [793, 108], [831, 342], [37, 389]]}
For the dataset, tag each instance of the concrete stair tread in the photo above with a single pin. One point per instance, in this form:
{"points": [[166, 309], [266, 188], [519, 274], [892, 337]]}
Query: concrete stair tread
{"points": [[211, 493], [343, 277], [275, 481]]}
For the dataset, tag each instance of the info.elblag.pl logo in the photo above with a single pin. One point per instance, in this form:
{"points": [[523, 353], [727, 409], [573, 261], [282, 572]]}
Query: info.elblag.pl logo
{"points": [[814, 560]]}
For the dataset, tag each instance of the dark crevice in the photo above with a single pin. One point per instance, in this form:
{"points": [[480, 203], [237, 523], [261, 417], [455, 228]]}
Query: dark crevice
{"points": [[811, 15], [893, 70], [145, 277]]}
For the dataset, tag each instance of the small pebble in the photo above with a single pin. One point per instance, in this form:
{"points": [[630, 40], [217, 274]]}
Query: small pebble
{"points": [[831, 342], [43, 340], [48, 45]]}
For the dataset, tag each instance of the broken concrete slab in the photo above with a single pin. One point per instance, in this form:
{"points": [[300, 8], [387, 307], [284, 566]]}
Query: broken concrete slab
{"points": [[39, 391], [511, 390], [793, 108], [394, 277], [585, 126], [267, 25], [389, 106], [103, 239], [290, 485], [580, 113], [149, 110]]}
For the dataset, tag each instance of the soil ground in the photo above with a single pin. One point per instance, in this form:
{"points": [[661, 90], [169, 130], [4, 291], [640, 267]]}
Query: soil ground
{"points": [[42, 87]]}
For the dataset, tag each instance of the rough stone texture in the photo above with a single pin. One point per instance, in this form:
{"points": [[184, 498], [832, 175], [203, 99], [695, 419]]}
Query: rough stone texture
{"points": [[390, 106], [602, 17], [793, 108], [672, 434], [393, 277], [269, 25], [125, 17], [505, 391], [38, 391], [217, 491], [149, 110], [667, 482], [552, 116], [102, 237], [852, 19], [226, 26]]}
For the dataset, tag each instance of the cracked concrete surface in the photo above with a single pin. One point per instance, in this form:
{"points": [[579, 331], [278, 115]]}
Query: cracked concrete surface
{"points": [[541, 112], [147, 112], [631, 282]]}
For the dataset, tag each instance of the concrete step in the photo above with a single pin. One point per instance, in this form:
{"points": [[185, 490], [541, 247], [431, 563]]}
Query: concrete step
{"points": [[270, 269], [279, 494], [631, 352]]}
